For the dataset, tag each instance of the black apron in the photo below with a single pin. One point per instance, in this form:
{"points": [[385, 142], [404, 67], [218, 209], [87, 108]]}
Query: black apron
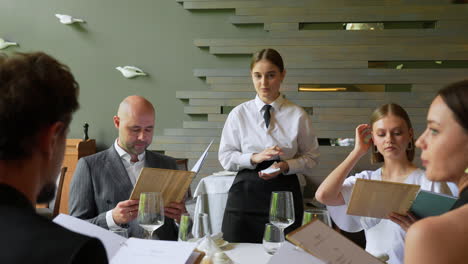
{"points": [[248, 204]]}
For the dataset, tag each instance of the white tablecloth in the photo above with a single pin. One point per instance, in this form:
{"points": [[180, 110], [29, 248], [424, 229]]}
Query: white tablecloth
{"points": [[247, 253], [211, 195]]}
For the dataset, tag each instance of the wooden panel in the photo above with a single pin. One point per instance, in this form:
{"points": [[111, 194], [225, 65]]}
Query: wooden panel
{"points": [[309, 95], [191, 132], [213, 154], [365, 52], [247, 87], [221, 4], [282, 26], [186, 140], [354, 13], [321, 3], [405, 102], [217, 117], [201, 110], [185, 147], [453, 28], [344, 37], [363, 111], [202, 124], [362, 76]]}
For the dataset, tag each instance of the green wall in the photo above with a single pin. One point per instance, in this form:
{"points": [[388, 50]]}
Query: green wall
{"points": [[155, 35]]}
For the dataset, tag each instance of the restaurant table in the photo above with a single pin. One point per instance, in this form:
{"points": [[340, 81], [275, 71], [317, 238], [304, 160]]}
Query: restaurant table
{"points": [[211, 195], [247, 253]]}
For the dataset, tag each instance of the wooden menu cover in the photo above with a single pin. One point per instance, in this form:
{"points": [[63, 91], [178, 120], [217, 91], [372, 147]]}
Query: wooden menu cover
{"points": [[379, 198], [173, 184], [328, 245]]}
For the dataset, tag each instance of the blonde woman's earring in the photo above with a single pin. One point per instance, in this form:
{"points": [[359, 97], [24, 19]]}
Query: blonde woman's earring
{"points": [[410, 145], [376, 150]]}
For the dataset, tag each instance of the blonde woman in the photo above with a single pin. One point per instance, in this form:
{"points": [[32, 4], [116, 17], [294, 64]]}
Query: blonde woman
{"points": [[390, 138]]}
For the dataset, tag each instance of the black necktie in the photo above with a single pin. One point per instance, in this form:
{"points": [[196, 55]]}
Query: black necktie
{"points": [[266, 114]]}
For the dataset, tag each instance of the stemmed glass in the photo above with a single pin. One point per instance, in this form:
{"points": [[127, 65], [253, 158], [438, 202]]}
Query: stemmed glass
{"points": [[151, 212], [282, 210]]}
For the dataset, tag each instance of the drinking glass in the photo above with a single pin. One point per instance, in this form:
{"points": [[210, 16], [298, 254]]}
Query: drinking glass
{"points": [[120, 231], [151, 212], [320, 214], [272, 238], [282, 210], [202, 227], [185, 227]]}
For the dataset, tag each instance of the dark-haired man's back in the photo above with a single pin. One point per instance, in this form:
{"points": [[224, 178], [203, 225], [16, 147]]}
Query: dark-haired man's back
{"points": [[31, 238]]}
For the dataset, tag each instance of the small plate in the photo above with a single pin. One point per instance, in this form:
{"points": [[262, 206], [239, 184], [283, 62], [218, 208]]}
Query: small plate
{"points": [[222, 243]]}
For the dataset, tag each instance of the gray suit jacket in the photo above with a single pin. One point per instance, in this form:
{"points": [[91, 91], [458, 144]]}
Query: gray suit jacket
{"points": [[101, 181]]}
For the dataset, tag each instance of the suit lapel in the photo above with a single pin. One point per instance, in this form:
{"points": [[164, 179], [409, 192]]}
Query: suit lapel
{"points": [[151, 161], [117, 169]]}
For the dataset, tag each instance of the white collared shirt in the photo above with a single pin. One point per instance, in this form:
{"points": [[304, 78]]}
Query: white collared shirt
{"points": [[290, 128], [133, 171], [133, 168]]}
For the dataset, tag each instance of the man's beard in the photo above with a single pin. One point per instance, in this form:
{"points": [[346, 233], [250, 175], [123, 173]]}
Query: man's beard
{"points": [[47, 193]]}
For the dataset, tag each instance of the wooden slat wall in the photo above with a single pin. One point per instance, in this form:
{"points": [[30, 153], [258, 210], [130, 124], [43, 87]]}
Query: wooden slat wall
{"points": [[323, 57]]}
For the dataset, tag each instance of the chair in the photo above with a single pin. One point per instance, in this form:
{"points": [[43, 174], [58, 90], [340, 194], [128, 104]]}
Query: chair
{"points": [[182, 164], [58, 196], [45, 209]]}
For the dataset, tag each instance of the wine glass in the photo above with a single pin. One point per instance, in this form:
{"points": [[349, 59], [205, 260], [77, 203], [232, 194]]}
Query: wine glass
{"points": [[282, 210], [185, 227], [320, 214], [151, 212]]}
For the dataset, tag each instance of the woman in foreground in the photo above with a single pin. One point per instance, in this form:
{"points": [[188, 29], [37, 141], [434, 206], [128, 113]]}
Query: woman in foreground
{"points": [[444, 144]]}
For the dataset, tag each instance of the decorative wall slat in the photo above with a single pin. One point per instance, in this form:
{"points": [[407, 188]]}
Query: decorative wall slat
{"points": [[369, 52], [361, 76], [351, 13]]}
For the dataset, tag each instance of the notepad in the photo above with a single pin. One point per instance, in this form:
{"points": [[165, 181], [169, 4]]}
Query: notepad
{"points": [[431, 204], [328, 245], [380, 198]]}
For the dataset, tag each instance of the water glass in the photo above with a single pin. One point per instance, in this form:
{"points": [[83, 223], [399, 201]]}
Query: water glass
{"points": [[320, 214], [120, 231], [151, 212], [185, 227], [202, 226], [272, 238]]}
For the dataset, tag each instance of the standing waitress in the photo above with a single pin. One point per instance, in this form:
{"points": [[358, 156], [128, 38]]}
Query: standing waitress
{"points": [[257, 134]]}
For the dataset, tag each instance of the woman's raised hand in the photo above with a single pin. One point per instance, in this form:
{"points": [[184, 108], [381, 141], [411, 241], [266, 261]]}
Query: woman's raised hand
{"points": [[266, 154], [363, 139]]}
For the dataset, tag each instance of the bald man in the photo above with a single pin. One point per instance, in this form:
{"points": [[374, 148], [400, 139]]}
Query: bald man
{"points": [[103, 182]]}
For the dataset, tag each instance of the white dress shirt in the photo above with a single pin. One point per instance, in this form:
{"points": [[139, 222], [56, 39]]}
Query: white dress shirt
{"points": [[383, 236], [290, 128], [133, 170]]}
